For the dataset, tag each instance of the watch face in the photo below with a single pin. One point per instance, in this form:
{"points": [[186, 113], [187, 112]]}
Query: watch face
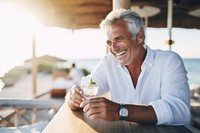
{"points": [[124, 112]]}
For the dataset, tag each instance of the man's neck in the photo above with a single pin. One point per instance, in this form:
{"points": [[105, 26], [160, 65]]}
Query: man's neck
{"points": [[136, 65], [135, 68]]}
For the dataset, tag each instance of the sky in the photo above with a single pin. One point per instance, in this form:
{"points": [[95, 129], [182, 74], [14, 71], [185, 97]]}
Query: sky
{"points": [[17, 29]]}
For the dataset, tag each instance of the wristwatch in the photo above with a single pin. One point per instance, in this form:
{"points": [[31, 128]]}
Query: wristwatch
{"points": [[123, 112]]}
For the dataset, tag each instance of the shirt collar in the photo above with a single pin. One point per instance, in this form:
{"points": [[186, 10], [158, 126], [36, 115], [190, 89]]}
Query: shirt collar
{"points": [[149, 59]]}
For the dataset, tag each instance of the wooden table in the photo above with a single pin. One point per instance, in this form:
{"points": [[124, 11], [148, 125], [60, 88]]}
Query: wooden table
{"points": [[67, 121]]}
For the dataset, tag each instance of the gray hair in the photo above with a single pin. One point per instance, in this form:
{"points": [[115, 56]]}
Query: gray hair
{"points": [[134, 21]]}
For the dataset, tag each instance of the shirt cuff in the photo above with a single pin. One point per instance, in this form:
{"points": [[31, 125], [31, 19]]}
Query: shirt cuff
{"points": [[163, 112]]}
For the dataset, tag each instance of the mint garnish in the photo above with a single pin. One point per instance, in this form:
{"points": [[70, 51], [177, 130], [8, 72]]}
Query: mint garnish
{"points": [[90, 80]]}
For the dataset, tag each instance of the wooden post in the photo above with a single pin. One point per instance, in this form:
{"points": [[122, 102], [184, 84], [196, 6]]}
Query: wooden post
{"points": [[33, 118], [169, 22], [16, 117], [117, 4], [34, 68]]}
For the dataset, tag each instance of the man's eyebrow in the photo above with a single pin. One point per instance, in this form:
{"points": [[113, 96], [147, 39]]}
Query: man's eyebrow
{"points": [[119, 37]]}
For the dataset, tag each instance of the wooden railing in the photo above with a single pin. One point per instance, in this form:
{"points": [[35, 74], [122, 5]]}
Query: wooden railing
{"points": [[34, 105]]}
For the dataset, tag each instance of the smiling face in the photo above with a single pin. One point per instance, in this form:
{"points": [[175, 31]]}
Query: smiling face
{"points": [[122, 45]]}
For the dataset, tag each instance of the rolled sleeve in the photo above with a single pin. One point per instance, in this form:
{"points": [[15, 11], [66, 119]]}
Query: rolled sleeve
{"points": [[163, 112], [171, 112]]}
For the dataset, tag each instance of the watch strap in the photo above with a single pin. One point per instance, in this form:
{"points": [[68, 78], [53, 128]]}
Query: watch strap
{"points": [[121, 117]]}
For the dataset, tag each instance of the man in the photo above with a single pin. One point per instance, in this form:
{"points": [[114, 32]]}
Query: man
{"points": [[147, 86], [75, 74], [62, 84]]}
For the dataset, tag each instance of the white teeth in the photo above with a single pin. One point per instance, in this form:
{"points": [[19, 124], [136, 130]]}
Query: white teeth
{"points": [[121, 53]]}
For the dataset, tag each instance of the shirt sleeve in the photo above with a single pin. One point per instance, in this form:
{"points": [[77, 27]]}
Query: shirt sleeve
{"points": [[174, 106]]}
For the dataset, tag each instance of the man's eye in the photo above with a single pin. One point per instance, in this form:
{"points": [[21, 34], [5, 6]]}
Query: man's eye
{"points": [[108, 43], [118, 40]]}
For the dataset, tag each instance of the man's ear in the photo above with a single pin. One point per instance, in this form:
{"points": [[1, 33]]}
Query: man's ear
{"points": [[140, 36]]}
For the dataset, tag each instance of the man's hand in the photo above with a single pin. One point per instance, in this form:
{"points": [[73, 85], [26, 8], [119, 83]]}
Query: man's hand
{"points": [[75, 97], [101, 108]]}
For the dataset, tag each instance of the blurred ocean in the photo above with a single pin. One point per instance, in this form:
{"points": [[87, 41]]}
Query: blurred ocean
{"points": [[88, 64], [193, 68]]}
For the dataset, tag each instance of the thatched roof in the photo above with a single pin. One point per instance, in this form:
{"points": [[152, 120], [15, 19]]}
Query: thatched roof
{"points": [[47, 58], [89, 13]]}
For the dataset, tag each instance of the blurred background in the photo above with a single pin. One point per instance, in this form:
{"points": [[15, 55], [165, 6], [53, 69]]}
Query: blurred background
{"points": [[39, 38]]}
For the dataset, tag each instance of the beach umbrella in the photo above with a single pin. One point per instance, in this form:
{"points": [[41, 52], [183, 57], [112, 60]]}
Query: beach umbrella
{"points": [[48, 59]]}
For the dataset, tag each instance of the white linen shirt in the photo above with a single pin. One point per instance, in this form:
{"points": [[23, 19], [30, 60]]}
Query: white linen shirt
{"points": [[162, 83]]}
